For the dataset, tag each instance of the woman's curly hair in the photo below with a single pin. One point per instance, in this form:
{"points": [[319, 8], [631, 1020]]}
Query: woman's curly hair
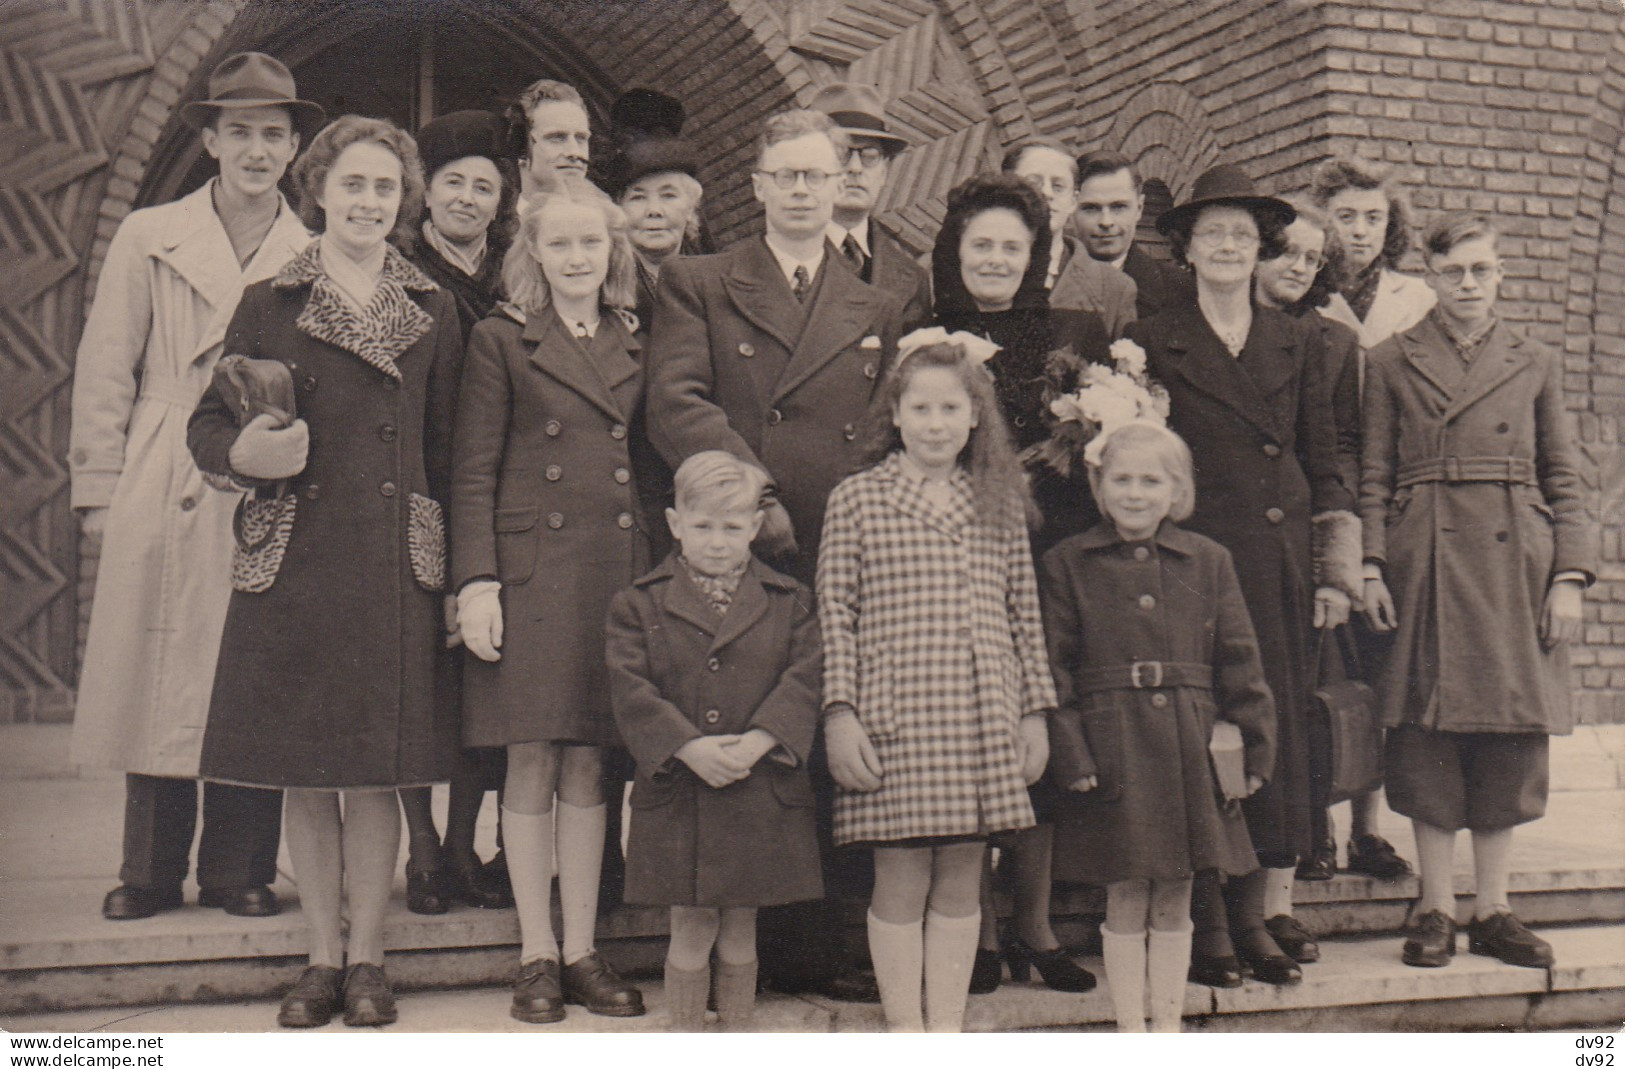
{"points": [[310, 172], [1340, 173], [966, 201]]}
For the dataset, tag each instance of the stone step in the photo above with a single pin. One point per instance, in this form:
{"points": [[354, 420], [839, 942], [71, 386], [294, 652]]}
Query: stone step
{"points": [[1359, 985]]}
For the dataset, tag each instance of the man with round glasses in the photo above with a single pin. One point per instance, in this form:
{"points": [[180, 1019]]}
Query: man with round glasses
{"points": [[769, 352], [872, 250]]}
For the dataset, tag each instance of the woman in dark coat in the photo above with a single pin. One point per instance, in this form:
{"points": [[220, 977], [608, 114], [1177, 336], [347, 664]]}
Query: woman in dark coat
{"points": [[988, 269], [1246, 392], [331, 674], [546, 529], [472, 185]]}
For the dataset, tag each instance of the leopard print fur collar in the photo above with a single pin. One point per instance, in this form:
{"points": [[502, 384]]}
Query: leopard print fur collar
{"points": [[389, 326]]}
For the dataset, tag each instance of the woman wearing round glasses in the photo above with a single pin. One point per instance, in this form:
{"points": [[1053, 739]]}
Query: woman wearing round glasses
{"points": [[1247, 388]]}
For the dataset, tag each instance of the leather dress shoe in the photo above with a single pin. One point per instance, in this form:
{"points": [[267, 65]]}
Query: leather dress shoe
{"points": [[494, 874], [987, 972], [590, 982], [536, 995], [368, 1001], [127, 902], [1215, 970], [1504, 936], [1056, 967], [1374, 856], [425, 893], [1319, 864], [1293, 938], [1432, 942], [312, 1000], [474, 888], [258, 901], [1262, 956]]}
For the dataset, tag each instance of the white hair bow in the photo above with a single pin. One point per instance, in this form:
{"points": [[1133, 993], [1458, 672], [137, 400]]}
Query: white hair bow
{"points": [[976, 347]]}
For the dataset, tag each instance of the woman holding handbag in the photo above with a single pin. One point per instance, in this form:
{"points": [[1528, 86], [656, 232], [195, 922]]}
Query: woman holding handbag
{"points": [[332, 681]]}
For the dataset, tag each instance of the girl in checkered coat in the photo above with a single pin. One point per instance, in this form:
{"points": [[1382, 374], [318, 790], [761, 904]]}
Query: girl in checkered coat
{"points": [[936, 682]]}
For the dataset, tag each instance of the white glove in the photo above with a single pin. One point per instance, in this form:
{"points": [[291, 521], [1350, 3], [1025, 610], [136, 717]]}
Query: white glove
{"points": [[479, 618], [265, 451]]}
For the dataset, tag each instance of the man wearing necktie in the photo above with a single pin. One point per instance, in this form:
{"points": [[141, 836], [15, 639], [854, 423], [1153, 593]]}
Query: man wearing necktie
{"points": [[874, 252], [766, 351]]}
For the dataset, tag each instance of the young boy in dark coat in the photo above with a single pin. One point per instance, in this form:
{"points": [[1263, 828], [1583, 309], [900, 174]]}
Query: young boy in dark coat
{"points": [[715, 663]]}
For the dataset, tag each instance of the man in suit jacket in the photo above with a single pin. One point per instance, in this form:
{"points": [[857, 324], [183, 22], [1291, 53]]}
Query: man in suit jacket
{"points": [[1110, 203], [876, 253], [769, 352]]}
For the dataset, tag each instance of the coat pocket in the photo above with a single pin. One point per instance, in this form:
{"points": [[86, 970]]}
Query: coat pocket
{"points": [[262, 527], [516, 544], [791, 786], [1103, 731], [652, 792], [426, 542]]}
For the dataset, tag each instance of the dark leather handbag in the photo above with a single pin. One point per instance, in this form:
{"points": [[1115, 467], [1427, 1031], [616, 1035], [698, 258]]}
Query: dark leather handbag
{"points": [[256, 387], [264, 520], [1351, 724]]}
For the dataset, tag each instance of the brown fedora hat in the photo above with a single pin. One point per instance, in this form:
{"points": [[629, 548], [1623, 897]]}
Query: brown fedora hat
{"points": [[857, 110], [253, 80], [1226, 184]]}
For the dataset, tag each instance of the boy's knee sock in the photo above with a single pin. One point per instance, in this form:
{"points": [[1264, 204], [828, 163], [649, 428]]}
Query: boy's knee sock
{"points": [[581, 857], [1125, 957], [1168, 959], [898, 951], [1278, 891], [686, 992], [950, 951], [736, 995], [530, 870]]}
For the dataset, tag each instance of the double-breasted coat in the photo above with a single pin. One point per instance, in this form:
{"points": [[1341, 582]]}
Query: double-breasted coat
{"points": [[1265, 447], [932, 632], [678, 671], [1472, 500], [545, 500], [737, 364], [166, 292], [1172, 604], [893, 268], [336, 674]]}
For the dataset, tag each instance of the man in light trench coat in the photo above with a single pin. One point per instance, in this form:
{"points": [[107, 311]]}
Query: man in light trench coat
{"points": [[170, 283]]}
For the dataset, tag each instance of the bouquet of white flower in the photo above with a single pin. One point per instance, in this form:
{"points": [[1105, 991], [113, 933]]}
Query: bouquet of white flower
{"points": [[1106, 398]]}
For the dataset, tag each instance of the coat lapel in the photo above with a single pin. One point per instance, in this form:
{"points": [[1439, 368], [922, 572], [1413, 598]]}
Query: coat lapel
{"points": [[843, 311], [748, 606], [685, 601], [557, 353], [198, 250], [1201, 359], [907, 496], [1501, 358], [759, 293], [1429, 352], [388, 326]]}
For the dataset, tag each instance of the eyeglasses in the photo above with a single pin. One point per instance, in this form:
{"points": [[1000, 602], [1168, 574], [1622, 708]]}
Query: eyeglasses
{"points": [[785, 178], [1454, 273], [871, 155], [1213, 236], [1313, 260]]}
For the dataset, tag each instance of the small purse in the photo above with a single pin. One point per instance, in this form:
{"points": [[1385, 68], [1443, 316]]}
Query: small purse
{"points": [[1351, 724], [262, 525], [256, 387]]}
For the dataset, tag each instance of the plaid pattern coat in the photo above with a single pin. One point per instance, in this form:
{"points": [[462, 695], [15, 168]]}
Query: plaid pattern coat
{"points": [[932, 633]]}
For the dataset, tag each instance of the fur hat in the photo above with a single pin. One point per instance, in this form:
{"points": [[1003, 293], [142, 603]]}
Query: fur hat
{"points": [[458, 134]]}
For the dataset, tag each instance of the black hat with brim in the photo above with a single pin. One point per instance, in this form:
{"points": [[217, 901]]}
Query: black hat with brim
{"points": [[655, 155], [1226, 185]]}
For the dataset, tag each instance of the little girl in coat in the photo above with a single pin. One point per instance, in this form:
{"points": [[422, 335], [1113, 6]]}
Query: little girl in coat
{"points": [[714, 665], [936, 685], [1151, 643]]}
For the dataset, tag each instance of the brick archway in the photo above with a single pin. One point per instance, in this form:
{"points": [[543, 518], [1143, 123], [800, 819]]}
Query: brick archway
{"points": [[1167, 130]]}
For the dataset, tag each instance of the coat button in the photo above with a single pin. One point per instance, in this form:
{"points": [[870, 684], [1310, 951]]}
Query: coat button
{"points": [[1141, 553], [774, 417], [555, 520], [1274, 515], [553, 428], [712, 716], [313, 491], [618, 431], [387, 489], [1500, 536], [622, 476], [1159, 700], [554, 473], [1272, 450], [309, 384], [849, 432], [1147, 602], [1501, 428], [747, 349], [870, 370], [188, 504], [714, 664], [387, 432], [624, 521]]}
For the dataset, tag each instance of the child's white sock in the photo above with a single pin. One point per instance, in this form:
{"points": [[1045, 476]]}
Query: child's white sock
{"points": [[581, 859], [1125, 954], [1278, 892], [898, 951], [686, 992], [528, 839], [736, 995], [950, 952], [1168, 961]]}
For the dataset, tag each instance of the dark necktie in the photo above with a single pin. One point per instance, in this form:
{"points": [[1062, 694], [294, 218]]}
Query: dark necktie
{"points": [[853, 252], [802, 283]]}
